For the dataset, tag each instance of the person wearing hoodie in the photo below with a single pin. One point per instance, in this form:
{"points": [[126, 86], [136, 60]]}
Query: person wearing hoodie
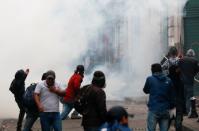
{"points": [[178, 90], [159, 87], [17, 87], [116, 120], [189, 68], [96, 111]]}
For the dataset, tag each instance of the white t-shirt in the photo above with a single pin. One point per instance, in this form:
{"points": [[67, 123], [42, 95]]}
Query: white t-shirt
{"points": [[49, 100]]}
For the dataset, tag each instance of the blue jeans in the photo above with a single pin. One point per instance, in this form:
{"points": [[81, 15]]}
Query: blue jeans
{"points": [[67, 107], [30, 120], [50, 120], [162, 118]]}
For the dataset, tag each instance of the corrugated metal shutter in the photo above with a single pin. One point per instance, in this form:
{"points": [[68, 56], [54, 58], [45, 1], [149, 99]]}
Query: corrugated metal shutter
{"points": [[191, 31], [191, 26]]}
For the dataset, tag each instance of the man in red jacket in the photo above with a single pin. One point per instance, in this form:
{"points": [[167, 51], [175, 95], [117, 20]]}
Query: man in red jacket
{"points": [[72, 90]]}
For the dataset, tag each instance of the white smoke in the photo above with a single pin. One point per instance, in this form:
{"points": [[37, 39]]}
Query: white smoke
{"points": [[53, 34], [144, 34], [42, 35]]}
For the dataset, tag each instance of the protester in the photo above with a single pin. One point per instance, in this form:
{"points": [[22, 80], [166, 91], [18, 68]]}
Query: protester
{"points": [[96, 114], [116, 120], [72, 91], [17, 87], [171, 59], [159, 87], [173, 70], [32, 113], [178, 90], [189, 68], [48, 103]]}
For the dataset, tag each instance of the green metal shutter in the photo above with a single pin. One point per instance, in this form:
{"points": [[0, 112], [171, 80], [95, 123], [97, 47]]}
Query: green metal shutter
{"points": [[191, 26]]}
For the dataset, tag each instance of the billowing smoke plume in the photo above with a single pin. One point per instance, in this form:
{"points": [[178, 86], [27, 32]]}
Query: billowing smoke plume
{"points": [[135, 35], [42, 35], [58, 34]]}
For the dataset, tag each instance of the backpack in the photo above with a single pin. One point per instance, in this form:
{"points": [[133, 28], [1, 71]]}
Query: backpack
{"points": [[28, 97], [81, 103]]}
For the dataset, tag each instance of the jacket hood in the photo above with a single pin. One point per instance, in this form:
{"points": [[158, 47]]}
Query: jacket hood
{"points": [[20, 74], [160, 76]]}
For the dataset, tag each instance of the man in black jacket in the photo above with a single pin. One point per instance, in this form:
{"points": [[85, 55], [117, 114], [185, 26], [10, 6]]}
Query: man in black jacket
{"points": [[17, 87], [96, 114], [189, 68], [178, 90]]}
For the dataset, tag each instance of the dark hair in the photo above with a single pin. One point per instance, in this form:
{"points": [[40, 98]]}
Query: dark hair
{"points": [[173, 51], [79, 69], [44, 76], [99, 79], [50, 73], [116, 113], [156, 67]]}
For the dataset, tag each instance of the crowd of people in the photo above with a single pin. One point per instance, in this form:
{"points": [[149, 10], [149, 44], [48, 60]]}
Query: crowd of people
{"points": [[47, 94], [170, 88]]}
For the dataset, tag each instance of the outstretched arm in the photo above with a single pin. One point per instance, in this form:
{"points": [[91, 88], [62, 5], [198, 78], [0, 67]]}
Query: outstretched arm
{"points": [[58, 91]]}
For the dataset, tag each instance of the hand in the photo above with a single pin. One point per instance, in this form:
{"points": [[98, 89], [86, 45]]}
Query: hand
{"points": [[52, 89], [41, 108], [27, 71]]}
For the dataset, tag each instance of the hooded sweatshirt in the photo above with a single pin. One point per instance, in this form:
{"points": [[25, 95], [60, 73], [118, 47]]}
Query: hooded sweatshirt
{"points": [[18, 84], [161, 97]]}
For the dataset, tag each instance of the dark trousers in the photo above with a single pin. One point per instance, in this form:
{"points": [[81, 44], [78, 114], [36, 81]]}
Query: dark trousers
{"points": [[91, 128], [31, 117], [178, 121], [21, 113], [188, 93]]}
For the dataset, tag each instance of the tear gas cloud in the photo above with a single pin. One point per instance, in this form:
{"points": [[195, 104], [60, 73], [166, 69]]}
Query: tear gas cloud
{"points": [[55, 34]]}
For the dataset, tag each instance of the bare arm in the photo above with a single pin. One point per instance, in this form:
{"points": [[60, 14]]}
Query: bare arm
{"points": [[58, 91], [38, 103]]}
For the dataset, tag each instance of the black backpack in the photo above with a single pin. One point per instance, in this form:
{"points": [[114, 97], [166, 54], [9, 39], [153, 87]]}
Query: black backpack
{"points": [[81, 103], [28, 97]]}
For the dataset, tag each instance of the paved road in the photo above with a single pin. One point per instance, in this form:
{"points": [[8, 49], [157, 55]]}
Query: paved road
{"points": [[138, 123]]}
